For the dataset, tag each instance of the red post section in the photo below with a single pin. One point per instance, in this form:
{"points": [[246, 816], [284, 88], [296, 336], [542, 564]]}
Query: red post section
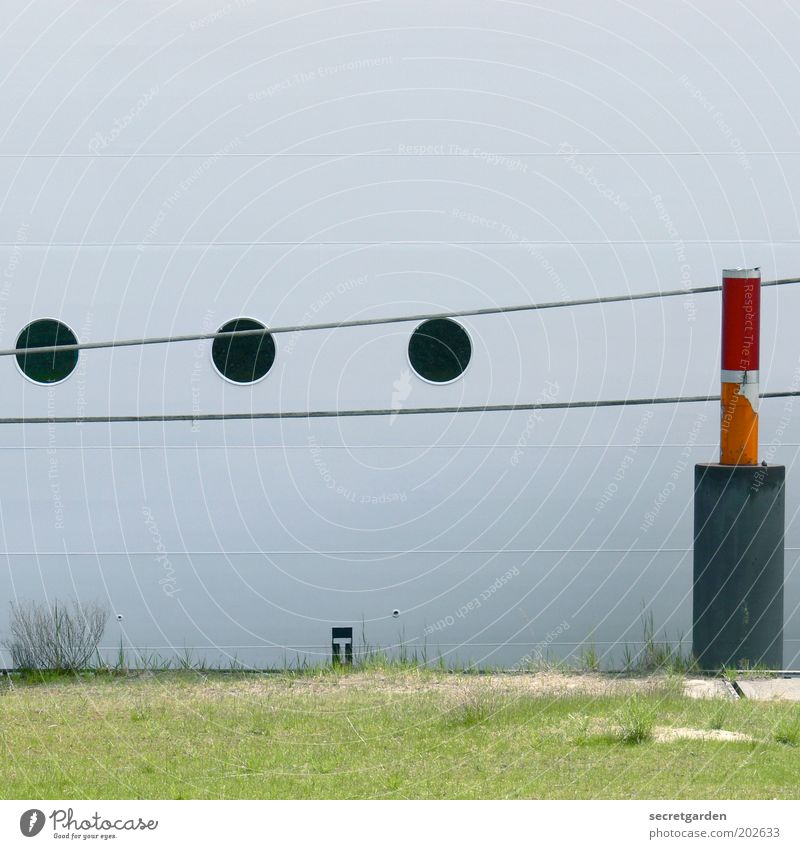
{"points": [[741, 323]]}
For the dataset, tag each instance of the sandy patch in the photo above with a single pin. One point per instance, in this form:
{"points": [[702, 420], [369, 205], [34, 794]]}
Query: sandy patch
{"points": [[668, 735]]}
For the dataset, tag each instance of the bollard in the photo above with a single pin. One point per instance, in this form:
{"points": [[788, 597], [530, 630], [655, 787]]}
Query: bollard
{"points": [[739, 507]]}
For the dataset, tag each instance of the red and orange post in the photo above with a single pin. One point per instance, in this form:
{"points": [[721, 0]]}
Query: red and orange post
{"points": [[741, 320]]}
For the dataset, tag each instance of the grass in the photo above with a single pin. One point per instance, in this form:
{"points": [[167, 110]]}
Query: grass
{"points": [[589, 660], [475, 707], [745, 672], [719, 716], [787, 731], [661, 656], [387, 732], [637, 719]]}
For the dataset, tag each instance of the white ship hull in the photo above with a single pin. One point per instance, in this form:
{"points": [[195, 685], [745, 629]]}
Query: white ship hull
{"points": [[167, 169]]}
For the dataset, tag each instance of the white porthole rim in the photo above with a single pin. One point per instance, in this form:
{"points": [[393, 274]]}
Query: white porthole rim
{"points": [[458, 376], [47, 382], [246, 382]]}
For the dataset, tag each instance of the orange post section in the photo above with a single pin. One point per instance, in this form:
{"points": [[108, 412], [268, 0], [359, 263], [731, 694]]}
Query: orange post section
{"points": [[738, 428]]}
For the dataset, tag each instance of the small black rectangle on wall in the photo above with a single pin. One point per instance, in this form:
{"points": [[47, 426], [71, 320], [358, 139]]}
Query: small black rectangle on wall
{"points": [[342, 637]]}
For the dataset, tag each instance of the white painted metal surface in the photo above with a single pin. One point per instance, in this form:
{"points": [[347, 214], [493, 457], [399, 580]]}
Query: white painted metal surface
{"points": [[167, 167]]}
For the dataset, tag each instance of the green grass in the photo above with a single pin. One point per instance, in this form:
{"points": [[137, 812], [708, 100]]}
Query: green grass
{"points": [[383, 733], [787, 731], [719, 716], [637, 720]]}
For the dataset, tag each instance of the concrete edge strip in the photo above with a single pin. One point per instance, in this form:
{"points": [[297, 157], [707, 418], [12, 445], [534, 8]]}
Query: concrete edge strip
{"points": [[735, 690]]}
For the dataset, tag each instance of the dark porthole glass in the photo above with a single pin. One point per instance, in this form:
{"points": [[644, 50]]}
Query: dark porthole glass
{"points": [[439, 350], [49, 366], [243, 359]]}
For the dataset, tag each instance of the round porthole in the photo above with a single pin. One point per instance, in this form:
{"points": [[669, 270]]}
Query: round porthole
{"points": [[47, 366], [439, 350], [243, 359]]}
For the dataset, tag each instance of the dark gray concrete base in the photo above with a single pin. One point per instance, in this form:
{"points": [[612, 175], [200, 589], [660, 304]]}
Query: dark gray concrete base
{"points": [[738, 566]]}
